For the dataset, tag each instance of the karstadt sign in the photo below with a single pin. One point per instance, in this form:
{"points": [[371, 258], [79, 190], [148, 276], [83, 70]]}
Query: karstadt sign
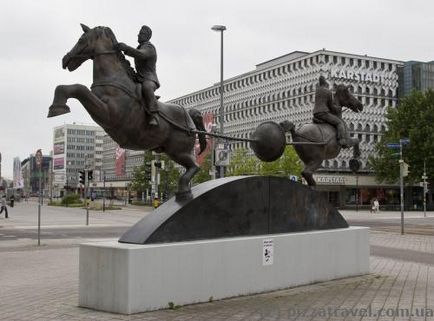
{"points": [[356, 75]]}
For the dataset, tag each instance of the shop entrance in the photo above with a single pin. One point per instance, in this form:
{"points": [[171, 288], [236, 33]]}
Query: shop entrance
{"points": [[333, 197]]}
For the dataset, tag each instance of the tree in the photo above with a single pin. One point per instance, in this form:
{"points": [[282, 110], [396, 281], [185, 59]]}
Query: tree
{"points": [[205, 168], [413, 119], [169, 176], [242, 163], [139, 182], [288, 164]]}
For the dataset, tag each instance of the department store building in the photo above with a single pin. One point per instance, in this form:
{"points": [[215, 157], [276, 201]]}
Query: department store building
{"points": [[284, 88]]}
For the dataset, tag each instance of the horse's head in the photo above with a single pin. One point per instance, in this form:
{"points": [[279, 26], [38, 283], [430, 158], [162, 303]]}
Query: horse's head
{"points": [[347, 99], [92, 42]]}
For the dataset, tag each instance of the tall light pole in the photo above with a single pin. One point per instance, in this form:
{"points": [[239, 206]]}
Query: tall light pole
{"points": [[424, 177], [213, 126], [221, 111]]}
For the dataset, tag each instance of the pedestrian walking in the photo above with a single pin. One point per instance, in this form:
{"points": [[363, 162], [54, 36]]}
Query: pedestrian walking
{"points": [[376, 206], [4, 208], [12, 200]]}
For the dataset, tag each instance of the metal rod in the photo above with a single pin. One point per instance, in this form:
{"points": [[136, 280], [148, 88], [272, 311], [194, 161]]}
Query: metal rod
{"points": [[251, 140], [305, 143], [424, 188], [221, 112], [39, 206], [103, 197], [86, 188], [401, 183]]}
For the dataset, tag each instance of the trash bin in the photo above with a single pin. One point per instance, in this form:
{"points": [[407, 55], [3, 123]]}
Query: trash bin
{"points": [[156, 202]]}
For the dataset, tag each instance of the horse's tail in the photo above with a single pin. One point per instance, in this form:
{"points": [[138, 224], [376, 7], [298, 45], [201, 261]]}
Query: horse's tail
{"points": [[288, 127], [196, 116]]}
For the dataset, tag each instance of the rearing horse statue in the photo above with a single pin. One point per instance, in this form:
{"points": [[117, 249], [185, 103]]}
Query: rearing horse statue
{"points": [[115, 103], [316, 142]]}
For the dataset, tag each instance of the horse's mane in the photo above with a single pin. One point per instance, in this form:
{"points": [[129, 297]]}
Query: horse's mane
{"points": [[124, 62]]}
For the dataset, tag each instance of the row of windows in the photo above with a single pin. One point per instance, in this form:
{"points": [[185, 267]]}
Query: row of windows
{"points": [[231, 115], [79, 155], [80, 147], [80, 140], [356, 62], [81, 132], [289, 68], [358, 91]]}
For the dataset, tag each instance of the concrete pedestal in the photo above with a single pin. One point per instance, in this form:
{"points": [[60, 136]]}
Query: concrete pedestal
{"points": [[129, 278]]}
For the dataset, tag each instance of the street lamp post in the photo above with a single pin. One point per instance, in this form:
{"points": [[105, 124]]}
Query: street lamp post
{"points": [[213, 127], [221, 28], [424, 177], [103, 196]]}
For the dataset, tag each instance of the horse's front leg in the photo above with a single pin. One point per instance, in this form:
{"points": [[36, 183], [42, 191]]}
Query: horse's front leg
{"points": [[356, 150], [80, 92]]}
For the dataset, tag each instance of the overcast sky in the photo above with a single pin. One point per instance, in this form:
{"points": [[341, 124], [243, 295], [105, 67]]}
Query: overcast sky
{"points": [[35, 35]]}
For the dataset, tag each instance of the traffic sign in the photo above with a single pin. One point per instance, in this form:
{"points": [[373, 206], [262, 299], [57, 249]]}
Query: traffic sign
{"points": [[393, 145], [293, 178], [222, 157], [405, 141]]}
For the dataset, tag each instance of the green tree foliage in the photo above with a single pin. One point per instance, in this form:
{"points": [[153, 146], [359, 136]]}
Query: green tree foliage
{"points": [[413, 119], [203, 175], [169, 176], [139, 182], [244, 164]]}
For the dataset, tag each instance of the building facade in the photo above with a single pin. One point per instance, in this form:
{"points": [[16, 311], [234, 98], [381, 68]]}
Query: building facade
{"points": [[31, 173], [284, 89], [416, 75], [119, 163], [74, 148]]}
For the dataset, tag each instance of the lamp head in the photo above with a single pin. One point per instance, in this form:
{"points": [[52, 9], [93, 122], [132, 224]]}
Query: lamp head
{"points": [[218, 28]]}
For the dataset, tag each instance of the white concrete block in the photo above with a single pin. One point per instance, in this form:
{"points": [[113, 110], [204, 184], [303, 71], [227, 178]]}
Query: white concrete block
{"points": [[129, 278]]}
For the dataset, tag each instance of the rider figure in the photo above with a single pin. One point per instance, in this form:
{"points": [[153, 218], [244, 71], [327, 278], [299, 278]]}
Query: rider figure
{"points": [[145, 58], [326, 110]]}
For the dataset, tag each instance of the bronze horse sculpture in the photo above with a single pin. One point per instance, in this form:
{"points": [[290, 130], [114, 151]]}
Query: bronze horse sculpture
{"points": [[115, 103], [316, 141]]}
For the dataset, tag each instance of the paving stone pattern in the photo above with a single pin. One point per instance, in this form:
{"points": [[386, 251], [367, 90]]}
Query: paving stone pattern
{"points": [[42, 284]]}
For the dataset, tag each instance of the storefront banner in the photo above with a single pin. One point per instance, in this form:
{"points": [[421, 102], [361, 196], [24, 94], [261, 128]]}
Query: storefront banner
{"points": [[120, 161], [208, 120], [59, 148], [59, 163], [59, 135]]}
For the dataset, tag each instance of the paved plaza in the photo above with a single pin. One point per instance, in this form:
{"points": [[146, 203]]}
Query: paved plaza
{"points": [[41, 283]]}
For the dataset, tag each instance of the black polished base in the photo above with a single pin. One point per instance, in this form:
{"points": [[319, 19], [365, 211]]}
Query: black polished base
{"points": [[237, 206]]}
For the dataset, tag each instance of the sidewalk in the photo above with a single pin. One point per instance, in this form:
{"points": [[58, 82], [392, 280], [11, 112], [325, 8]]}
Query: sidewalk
{"points": [[42, 284], [24, 218]]}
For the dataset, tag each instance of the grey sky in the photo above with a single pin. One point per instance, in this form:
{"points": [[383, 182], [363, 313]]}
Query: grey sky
{"points": [[36, 34]]}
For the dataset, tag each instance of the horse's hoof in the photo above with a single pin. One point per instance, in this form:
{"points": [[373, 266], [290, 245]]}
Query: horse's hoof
{"points": [[57, 110], [183, 196]]}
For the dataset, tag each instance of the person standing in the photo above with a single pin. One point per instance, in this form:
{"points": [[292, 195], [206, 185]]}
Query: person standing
{"points": [[3, 206]]}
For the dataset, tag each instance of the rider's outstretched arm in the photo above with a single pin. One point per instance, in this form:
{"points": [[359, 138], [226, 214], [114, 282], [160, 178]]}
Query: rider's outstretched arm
{"points": [[141, 53]]}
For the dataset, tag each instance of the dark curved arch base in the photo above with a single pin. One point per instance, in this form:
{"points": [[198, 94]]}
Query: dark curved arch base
{"points": [[237, 206]]}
